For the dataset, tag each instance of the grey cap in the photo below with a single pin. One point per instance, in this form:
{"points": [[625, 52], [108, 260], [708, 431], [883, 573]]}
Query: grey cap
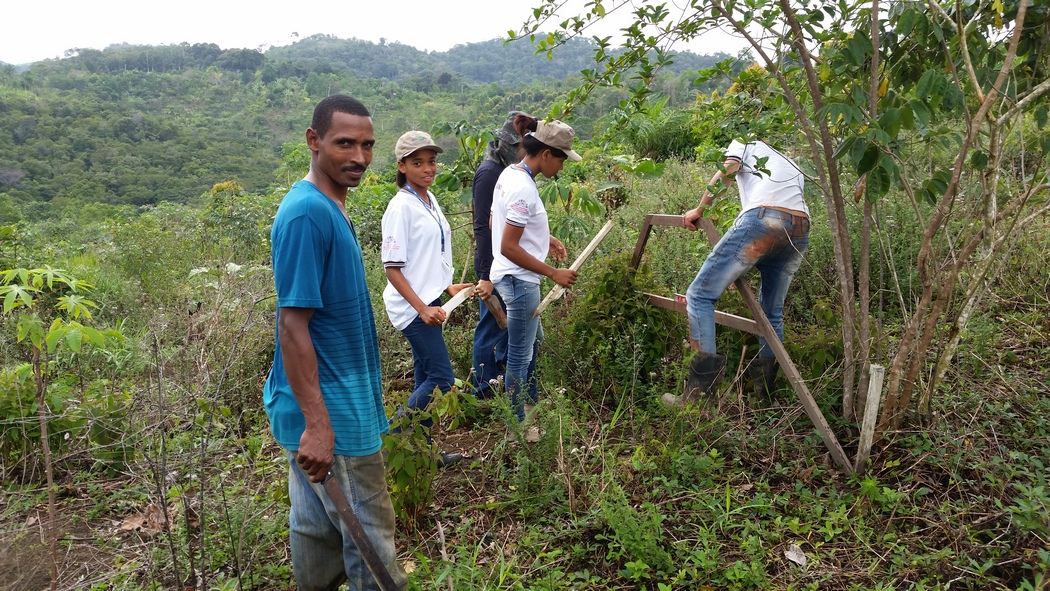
{"points": [[412, 141], [556, 134]]}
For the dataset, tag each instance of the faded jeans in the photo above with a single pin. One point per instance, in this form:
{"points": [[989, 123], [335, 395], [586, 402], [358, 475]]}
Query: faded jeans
{"points": [[323, 554], [770, 240], [524, 335]]}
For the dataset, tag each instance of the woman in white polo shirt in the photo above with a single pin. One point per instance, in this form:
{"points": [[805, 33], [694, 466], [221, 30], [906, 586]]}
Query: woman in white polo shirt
{"points": [[417, 256], [521, 240]]}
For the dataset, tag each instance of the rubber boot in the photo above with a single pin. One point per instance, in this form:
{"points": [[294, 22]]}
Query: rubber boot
{"points": [[705, 372], [763, 372]]}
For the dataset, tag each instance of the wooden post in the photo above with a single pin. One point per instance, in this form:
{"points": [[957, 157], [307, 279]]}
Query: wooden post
{"points": [[871, 414]]}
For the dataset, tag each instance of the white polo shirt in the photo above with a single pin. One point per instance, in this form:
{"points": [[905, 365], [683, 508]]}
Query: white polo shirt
{"points": [[516, 201], [412, 237], [781, 187]]}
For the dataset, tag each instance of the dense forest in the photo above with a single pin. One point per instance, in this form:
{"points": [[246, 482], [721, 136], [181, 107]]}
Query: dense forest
{"points": [[904, 443], [141, 125]]}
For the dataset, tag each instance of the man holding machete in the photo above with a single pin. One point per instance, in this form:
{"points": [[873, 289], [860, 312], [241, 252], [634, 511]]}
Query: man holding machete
{"points": [[323, 395]]}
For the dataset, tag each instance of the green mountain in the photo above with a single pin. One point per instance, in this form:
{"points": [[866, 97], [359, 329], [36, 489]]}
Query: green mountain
{"points": [[144, 124]]}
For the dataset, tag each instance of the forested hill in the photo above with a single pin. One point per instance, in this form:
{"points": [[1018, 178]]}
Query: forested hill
{"points": [[144, 124], [485, 62]]}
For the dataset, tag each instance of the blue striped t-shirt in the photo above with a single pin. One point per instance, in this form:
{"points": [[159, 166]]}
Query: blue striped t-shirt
{"points": [[317, 264]]}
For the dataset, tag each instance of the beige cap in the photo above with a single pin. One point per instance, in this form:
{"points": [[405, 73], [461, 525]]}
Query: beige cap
{"points": [[556, 134], [411, 141]]}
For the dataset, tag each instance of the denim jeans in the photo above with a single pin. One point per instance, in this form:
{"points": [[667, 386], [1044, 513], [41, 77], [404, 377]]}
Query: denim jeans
{"points": [[431, 365], [323, 554], [770, 240], [524, 335], [490, 350]]}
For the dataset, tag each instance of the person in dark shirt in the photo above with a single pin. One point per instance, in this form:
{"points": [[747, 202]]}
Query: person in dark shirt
{"points": [[490, 341]]}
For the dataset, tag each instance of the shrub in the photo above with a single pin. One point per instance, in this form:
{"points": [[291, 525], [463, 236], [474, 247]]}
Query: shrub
{"points": [[618, 335]]}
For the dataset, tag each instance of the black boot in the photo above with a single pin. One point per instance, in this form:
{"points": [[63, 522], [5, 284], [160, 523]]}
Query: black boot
{"points": [[705, 372], [763, 372]]}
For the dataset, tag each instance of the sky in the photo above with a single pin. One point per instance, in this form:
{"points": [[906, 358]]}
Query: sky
{"points": [[34, 30]]}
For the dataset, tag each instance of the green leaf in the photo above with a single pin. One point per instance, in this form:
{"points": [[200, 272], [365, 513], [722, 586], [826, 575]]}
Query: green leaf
{"points": [[54, 335], [840, 113], [979, 160], [890, 122], [907, 117], [869, 160], [74, 339], [857, 150], [906, 22], [925, 85], [1041, 116], [844, 148], [934, 188], [95, 337], [30, 325], [878, 182], [921, 112]]}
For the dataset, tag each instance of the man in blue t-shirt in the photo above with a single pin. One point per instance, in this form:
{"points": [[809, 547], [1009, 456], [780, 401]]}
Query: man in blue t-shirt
{"points": [[324, 394]]}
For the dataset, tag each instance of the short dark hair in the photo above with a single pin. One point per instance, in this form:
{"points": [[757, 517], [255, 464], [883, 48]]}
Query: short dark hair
{"points": [[337, 103]]}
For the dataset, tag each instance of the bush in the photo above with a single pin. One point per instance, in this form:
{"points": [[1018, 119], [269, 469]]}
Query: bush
{"points": [[618, 335]]}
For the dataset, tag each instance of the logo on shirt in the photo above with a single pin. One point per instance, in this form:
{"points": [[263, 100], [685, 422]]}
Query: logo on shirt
{"points": [[520, 206], [391, 244]]}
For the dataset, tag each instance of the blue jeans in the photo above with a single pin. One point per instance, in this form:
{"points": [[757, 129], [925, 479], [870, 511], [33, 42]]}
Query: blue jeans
{"points": [[431, 365], [323, 554], [524, 335], [490, 350], [770, 240]]}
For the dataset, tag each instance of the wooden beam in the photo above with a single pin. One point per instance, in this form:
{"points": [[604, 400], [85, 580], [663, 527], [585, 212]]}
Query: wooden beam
{"points": [[729, 320]]}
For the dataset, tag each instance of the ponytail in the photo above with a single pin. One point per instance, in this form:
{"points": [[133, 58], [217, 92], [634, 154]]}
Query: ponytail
{"points": [[525, 125]]}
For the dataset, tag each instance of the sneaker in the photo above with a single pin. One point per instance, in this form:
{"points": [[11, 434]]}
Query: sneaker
{"points": [[533, 434], [671, 400], [445, 460]]}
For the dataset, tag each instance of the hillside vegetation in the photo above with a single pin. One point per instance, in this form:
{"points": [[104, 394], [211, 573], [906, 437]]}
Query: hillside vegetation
{"points": [[141, 125]]}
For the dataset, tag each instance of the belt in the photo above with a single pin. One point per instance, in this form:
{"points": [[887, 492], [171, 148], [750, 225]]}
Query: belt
{"points": [[800, 222]]}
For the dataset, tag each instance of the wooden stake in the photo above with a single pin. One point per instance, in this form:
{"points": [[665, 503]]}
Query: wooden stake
{"points": [[558, 290], [871, 414], [497, 312], [460, 297]]}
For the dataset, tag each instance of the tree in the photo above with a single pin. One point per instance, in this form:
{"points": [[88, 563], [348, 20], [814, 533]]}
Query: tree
{"points": [[879, 106]]}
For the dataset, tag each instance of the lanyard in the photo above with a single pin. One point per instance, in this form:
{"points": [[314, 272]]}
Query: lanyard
{"points": [[528, 170], [429, 209]]}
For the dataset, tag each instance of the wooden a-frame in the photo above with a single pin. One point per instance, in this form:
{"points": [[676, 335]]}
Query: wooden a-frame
{"points": [[759, 326]]}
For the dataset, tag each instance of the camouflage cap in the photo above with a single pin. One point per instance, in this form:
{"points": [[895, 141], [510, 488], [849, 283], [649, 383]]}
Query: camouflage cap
{"points": [[507, 133]]}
